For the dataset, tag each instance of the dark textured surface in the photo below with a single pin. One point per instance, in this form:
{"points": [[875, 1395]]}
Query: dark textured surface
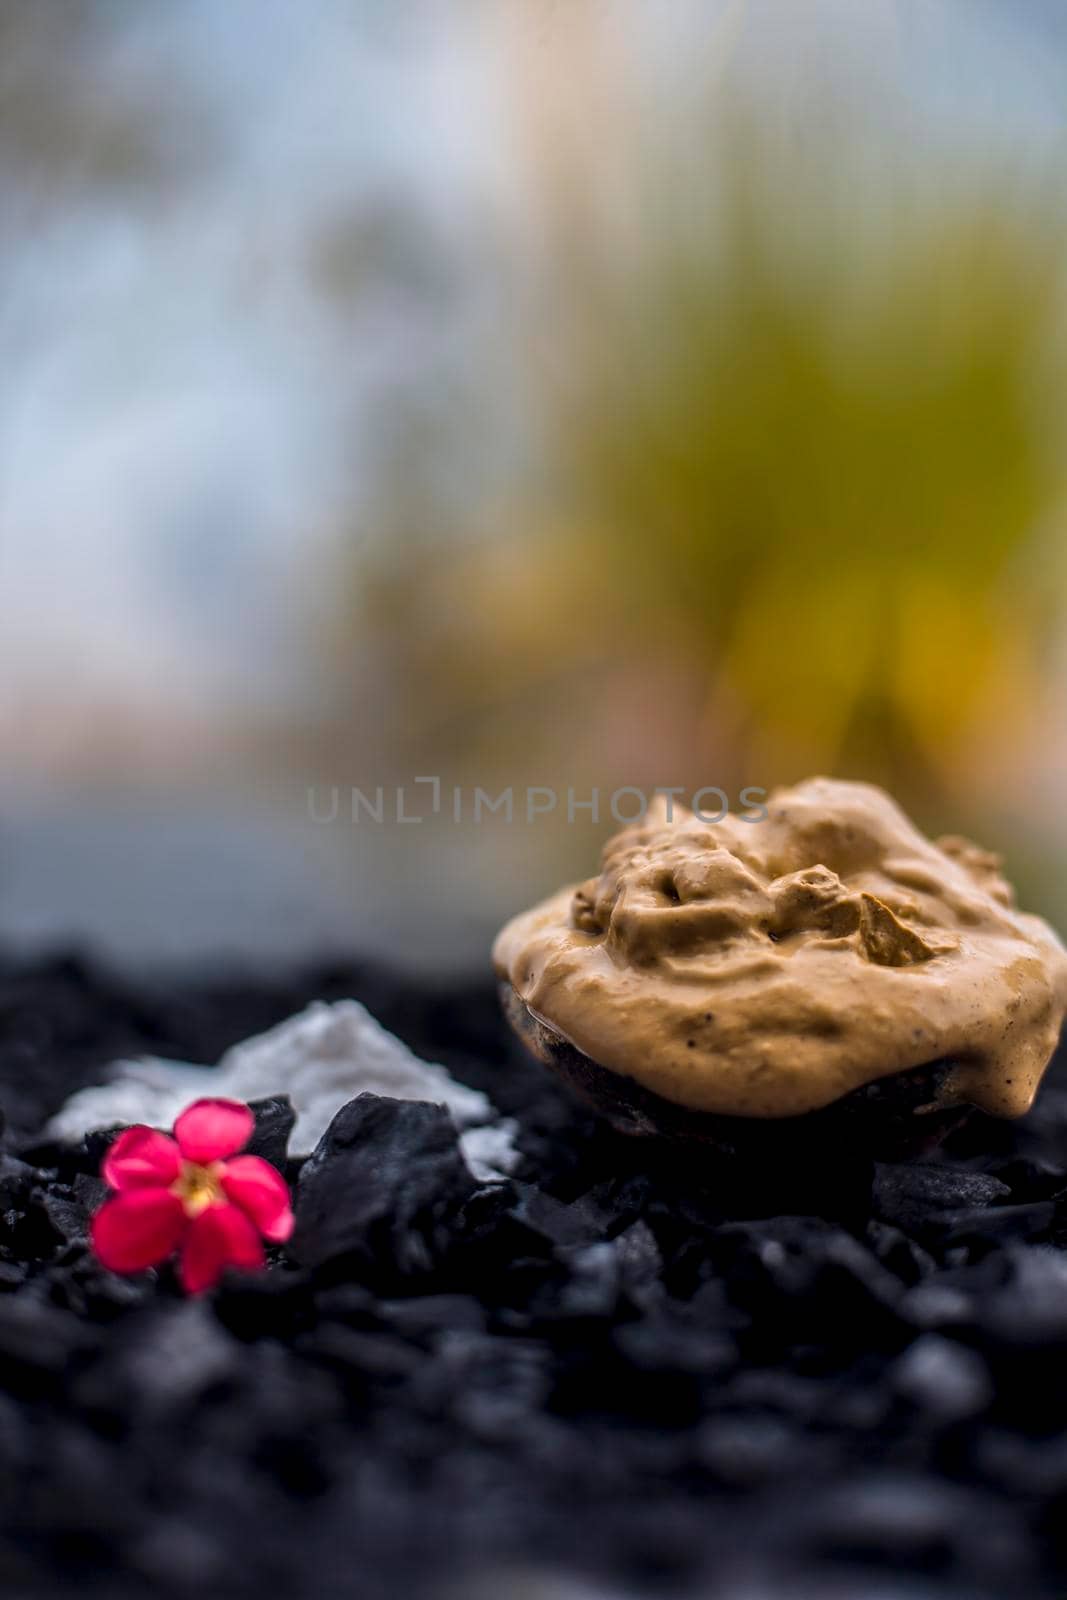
{"points": [[630, 1364]]}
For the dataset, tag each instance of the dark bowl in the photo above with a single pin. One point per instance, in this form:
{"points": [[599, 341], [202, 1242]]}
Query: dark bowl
{"points": [[891, 1119]]}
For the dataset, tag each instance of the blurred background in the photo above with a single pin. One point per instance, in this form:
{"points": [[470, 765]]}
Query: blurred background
{"points": [[516, 392]]}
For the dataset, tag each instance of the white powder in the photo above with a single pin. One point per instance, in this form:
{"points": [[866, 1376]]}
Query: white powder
{"points": [[321, 1059]]}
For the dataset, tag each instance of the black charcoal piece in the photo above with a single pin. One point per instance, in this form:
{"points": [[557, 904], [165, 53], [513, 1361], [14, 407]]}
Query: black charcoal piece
{"points": [[275, 1120], [745, 1451], [381, 1184], [906, 1190], [943, 1379]]}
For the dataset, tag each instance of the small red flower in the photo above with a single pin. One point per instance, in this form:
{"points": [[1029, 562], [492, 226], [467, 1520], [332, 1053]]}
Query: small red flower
{"points": [[192, 1193]]}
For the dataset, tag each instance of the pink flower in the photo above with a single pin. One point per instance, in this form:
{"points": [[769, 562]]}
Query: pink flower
{"points": [[192, 1194]]}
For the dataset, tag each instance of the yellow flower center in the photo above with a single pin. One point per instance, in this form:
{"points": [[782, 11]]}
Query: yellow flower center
{"points": [[199, 1187]]}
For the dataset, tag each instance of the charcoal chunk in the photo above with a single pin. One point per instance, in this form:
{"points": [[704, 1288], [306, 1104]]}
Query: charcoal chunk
{"points": [[944, 1380], [556, 1221], [381, 1185], [275, 1120], [893, 1516], [39, 1345], [159, 1363], [905, 1194], [744, 1451], [1030, 1307]]}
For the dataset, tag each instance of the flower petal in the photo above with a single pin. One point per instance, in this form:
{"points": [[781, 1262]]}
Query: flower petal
{"points": [[141, 1158], [220, 1237], [137, 1229], [262, 1194], [210, 1130]]}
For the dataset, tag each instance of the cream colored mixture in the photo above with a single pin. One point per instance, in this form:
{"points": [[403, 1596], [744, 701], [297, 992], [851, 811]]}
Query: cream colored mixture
{"points": [[766, 968]]}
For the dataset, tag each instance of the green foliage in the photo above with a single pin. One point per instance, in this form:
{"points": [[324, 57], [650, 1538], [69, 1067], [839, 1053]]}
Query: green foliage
{"points": [[817, 445]]}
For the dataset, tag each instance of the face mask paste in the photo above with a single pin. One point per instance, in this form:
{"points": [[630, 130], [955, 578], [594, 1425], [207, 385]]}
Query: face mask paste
{"points": [[765, 969]]}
